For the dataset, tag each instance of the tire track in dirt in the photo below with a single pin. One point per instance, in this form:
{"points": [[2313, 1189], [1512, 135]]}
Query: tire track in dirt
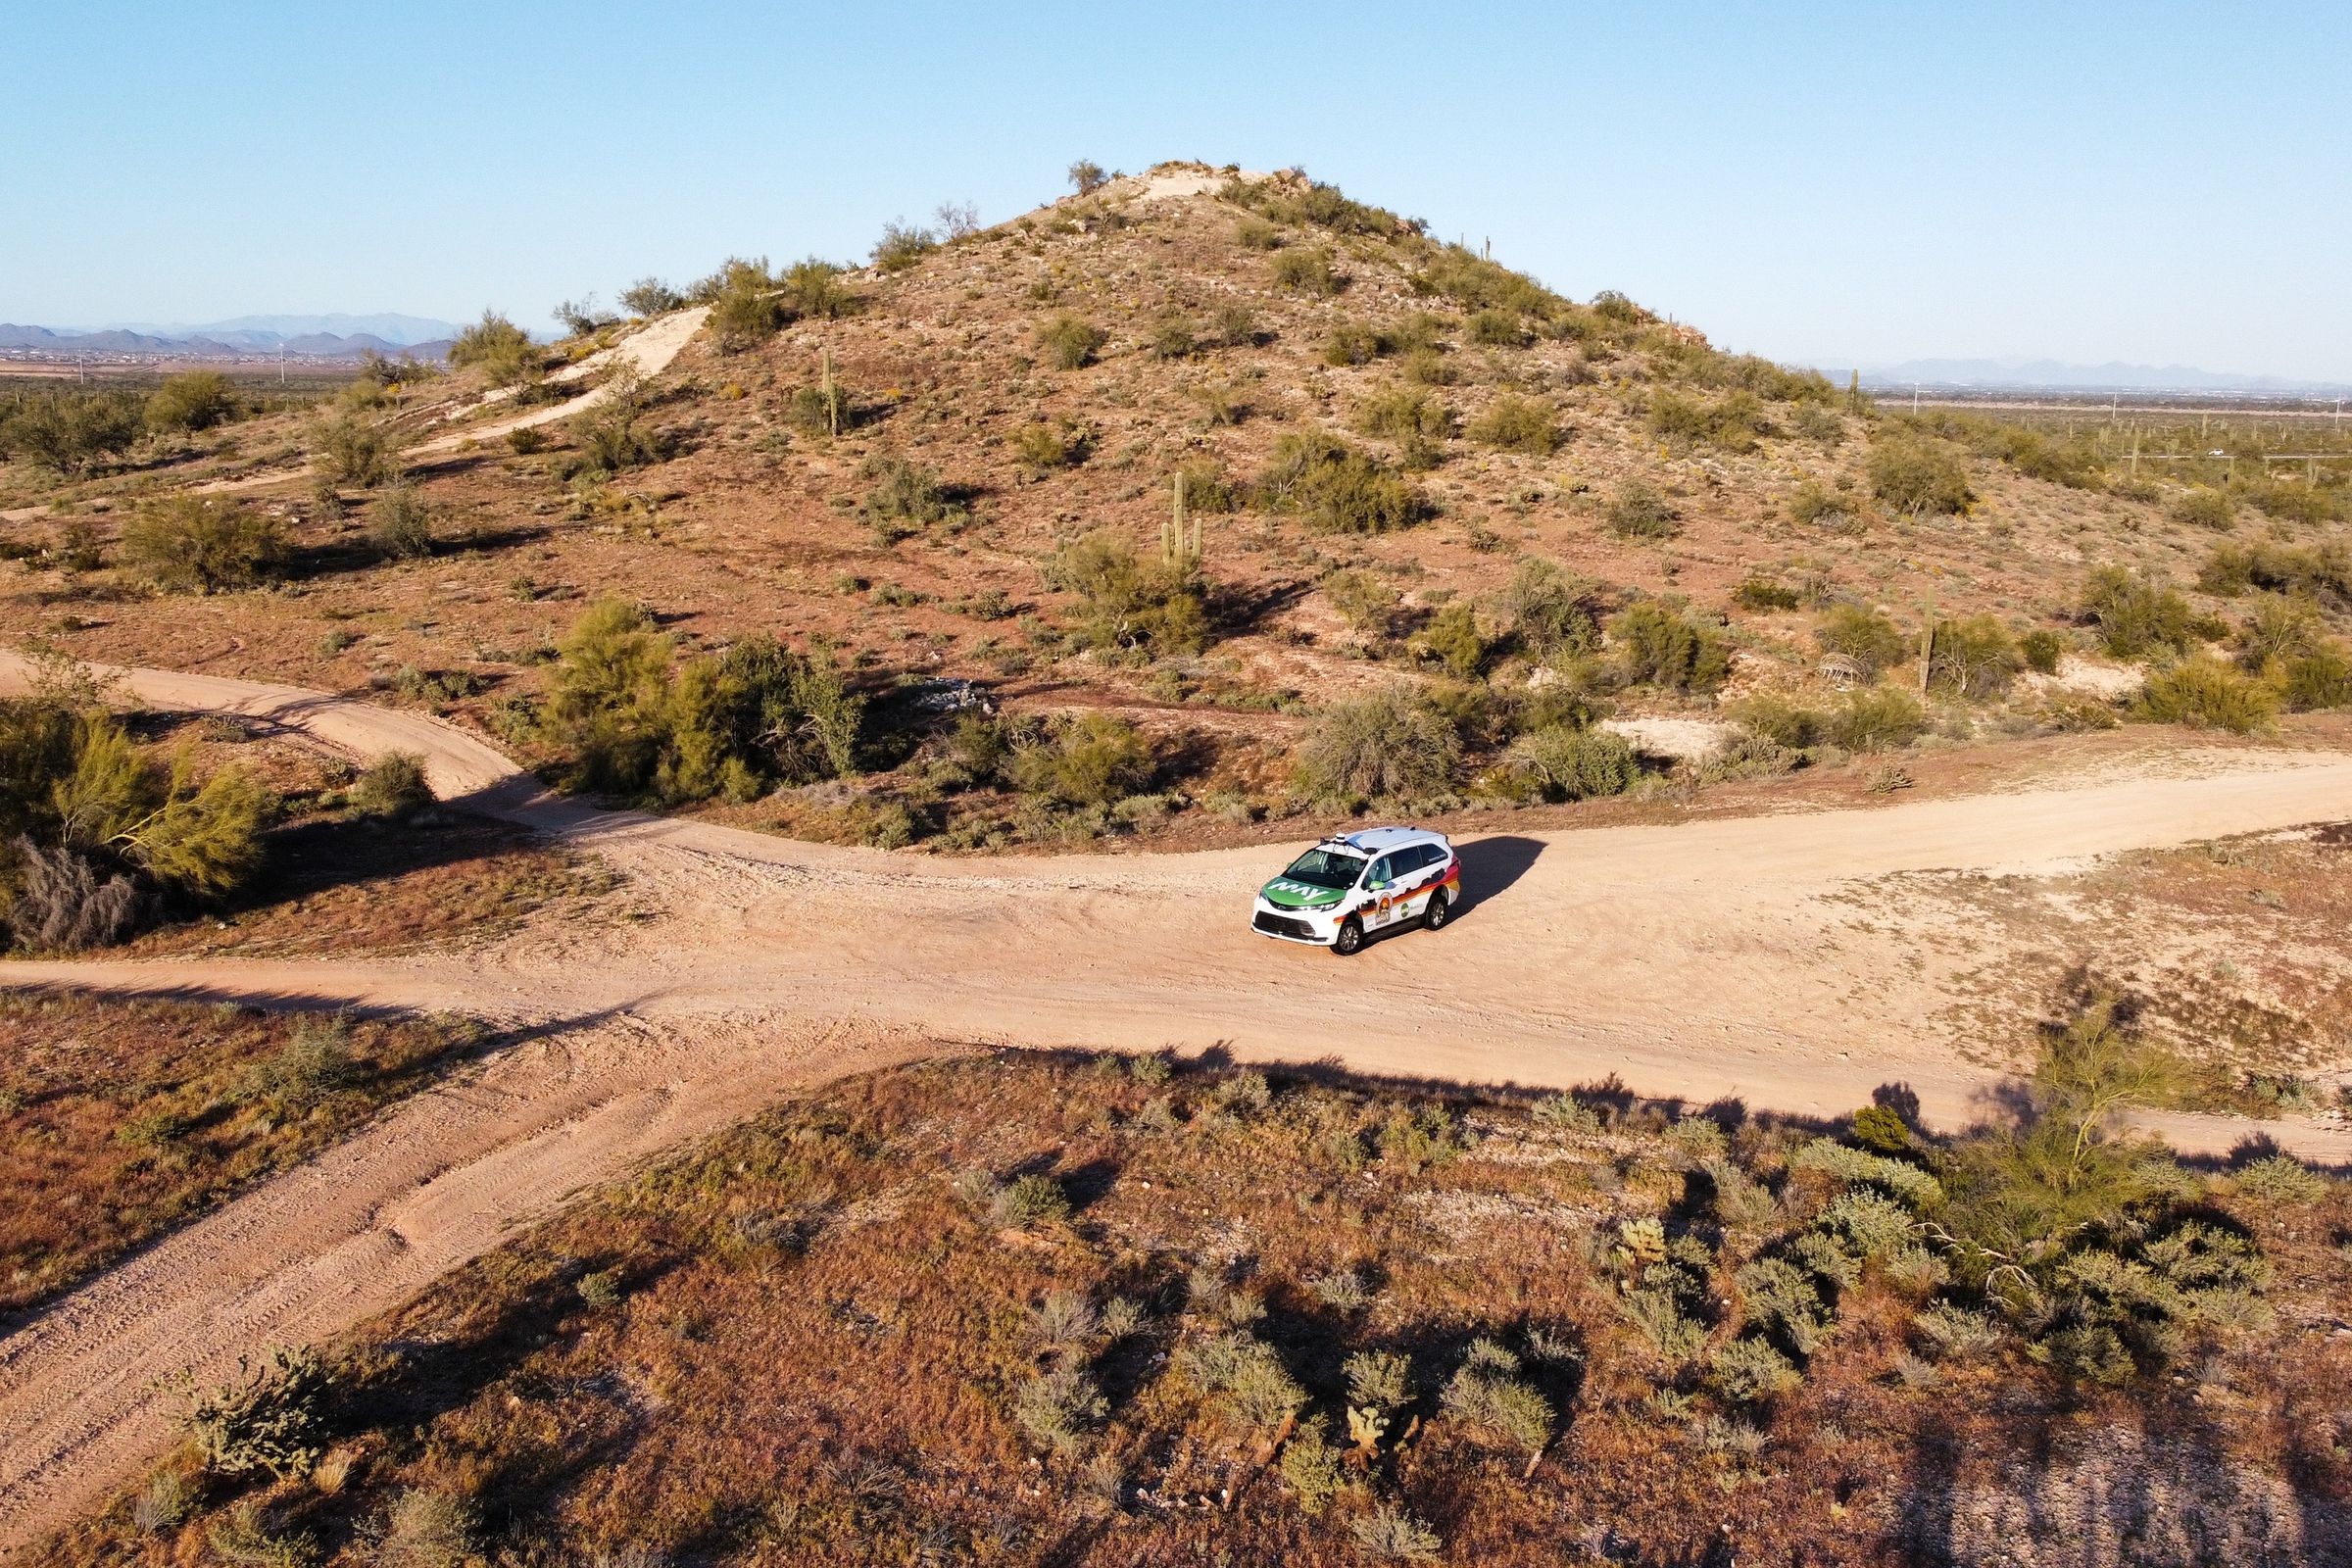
{"points": [[1709, 960]]}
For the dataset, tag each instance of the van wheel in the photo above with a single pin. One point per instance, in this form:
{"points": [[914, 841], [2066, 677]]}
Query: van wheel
{"points": [[1352, 937], [1439, 910]]}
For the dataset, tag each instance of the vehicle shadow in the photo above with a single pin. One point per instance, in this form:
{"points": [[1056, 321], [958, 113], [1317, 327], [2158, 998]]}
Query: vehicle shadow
{"points": [[1490, 868]]}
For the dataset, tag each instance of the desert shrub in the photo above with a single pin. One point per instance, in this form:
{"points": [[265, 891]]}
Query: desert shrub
{"points": [[1173, 336], [1307, 270], [393, 786], [758, 714], [203, 544], [2138, 614], [1973, 657], [65, 900], [349, 449], [2279, 628], [1818, 421], [1256, 234], [747, 311], [1778, 721], [1045, 445], [1747, 756], [1636, 510], [1352, 343], [1496, 328], [69, 432], [613, 436], [1487, 1396], [1388, 1534], [1083, 759], [1311, 1466], [2321, 572], [582, 319], [1403, 414], [1515, 423], [401, 523], [312, 1064], [1919, 475], [812, 290], [1566, 764], [1872, 641], [502, 351], [2042, 648], [1552, 612], [1336, 488], [1749, 1371], [1071, 341], [1452, 639], [1732, 421], [1385, 747], [651, 296], [2205, 508], [1658, 647], [2321, 678], [1247, 1372], [2204, 692], [1813, 503], [905, 497], [2283, 1179], [1087, 176], [1057, 1409], [1665, 1292], [193, 400], [272, 1419], [902, 245], [2287, 501], [1763, 595], [1154, 604], [425, 1529], [1364, 599], [1875, 718]]}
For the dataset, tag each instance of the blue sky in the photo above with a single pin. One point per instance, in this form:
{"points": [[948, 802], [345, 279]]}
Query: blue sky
{"points": [[1868, 182]]}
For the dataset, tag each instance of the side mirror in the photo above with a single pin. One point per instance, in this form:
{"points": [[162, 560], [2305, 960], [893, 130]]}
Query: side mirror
{"points": [[1375, 885]]}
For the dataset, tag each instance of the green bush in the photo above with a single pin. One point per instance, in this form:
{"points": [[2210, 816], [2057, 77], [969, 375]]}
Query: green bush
{"points": [[1256, 234], [757, 716], [1308, 271], [1058, 1408], [502, 351], [203, 544], [1551, 611], [905, 497], [2137, 615], [1780, 721], [1151, 604], [1875, 718], [1919, 475], [1749, 1371], [352, 450], [394, 787], [1071, 341], [1087, 176], [2285, 501], [1637, 511], [1973, 657], [650, 296], [2318, 679], [1045, 446], [613, 436], [2205, 508], [1336, 488], [69, 432], [401, 523], [1415, 420], [2042, 648], [1385, 747], [1732, 421], [1352, 343], [1174, 336], [812, 290], [1084, 760], [1814, 504], [1452, 639], [748, 309], [902, 245], [1567, 763], [1513, 424], [1367, 603], [1659, 647], [2204, 692], [193, 400], [1496, 328], [1765, 595], [1867, 637]]}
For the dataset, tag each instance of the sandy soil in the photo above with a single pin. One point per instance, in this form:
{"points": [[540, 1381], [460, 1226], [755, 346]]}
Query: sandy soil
{"points": [[1725, 959]]}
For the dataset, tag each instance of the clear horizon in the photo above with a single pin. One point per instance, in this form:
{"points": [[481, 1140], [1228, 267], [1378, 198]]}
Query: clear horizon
{"points": [[2154, 185]]}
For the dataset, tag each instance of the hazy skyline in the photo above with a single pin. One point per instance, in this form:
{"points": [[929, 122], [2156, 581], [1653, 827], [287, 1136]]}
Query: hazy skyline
{"points": [[2151, 184]]}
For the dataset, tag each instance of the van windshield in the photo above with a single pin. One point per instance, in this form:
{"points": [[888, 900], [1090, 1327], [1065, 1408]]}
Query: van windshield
{"points": [[1326, 868]]}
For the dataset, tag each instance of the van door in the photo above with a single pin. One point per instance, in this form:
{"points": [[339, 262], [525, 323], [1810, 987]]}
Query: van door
{"points": [[1380, 893]]}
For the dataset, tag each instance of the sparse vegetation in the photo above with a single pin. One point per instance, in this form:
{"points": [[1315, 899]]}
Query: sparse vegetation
{"points": [[203, 544]]}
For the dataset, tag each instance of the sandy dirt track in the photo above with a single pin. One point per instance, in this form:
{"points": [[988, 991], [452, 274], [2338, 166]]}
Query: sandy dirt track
{"points": [[1750, 959]]}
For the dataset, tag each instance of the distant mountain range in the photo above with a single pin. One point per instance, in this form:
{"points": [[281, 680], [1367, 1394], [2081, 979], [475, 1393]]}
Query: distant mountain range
{"points": [[2055, 376], [335, 337]]}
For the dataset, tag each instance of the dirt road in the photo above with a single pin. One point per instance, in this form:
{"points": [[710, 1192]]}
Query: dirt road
{"points": [[1752, 958]]}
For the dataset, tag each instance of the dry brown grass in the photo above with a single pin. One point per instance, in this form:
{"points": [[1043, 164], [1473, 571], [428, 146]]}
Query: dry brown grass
{"points": [[801, 1345], [119, 1120]]}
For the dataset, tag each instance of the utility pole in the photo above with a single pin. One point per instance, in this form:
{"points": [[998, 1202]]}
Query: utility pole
{"points": [[1915, 397], [281, 362]]}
